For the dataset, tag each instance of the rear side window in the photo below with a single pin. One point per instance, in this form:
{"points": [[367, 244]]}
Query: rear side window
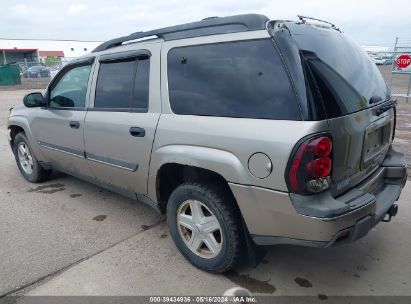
{"points": [[123, 84], [233, 79]]}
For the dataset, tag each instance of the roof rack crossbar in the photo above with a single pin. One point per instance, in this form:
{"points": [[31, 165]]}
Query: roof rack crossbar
{"points": [[207, 26], [302, 18]]}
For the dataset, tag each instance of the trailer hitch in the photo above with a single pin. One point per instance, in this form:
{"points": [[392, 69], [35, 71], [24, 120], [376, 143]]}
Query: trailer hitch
{"points": [[390, 213]]}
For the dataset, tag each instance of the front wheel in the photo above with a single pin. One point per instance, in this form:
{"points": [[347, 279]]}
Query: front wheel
{"points": [[205, 224], [26, 161]]}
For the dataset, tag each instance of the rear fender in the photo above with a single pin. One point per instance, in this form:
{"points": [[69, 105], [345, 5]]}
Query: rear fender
{"points": [[222, 162]]}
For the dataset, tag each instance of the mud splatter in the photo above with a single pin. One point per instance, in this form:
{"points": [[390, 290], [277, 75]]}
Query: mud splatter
{"points": [[145, 227], [52, 191], [76, 195], [48, 189], [361, 268], [357, 275], [253, 285], [322, 296], [99, 218], [303, 282], [163, 236]]}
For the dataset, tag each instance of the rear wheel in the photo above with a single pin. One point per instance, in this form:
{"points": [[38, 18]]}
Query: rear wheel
{"points": [[205, 225], [26, 161]]}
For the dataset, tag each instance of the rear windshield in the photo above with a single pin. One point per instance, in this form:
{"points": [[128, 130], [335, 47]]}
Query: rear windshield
{"points": [[347, 78], [232, 79]]}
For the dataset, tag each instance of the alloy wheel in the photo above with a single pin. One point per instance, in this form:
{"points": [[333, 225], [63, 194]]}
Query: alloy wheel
{"points": [[199, 229], [25, 158]]}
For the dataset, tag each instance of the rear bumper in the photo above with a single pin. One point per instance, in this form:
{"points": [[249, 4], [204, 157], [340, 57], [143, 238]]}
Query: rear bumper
{"points": [[274, 217]]}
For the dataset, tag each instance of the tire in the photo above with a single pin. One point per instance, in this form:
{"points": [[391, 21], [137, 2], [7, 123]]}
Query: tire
{"points": [[30, 168], [214, 201]]}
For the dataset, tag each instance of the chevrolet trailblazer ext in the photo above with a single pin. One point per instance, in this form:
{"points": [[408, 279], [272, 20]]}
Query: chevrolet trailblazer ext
{"points": [[241, 129]]}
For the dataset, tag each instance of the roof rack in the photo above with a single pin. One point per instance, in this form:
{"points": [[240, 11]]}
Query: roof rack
{"points": [[303, 20], [205, 27]]}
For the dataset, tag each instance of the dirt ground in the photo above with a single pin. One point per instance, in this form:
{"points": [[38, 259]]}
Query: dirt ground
{"points": [[403, 131]]}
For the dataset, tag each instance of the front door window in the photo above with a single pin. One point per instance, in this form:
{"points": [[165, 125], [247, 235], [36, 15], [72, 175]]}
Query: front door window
{"points": [[70, 91]]}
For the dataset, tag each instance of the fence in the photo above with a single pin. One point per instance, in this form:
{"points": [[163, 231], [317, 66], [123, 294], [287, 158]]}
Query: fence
{"points": [[401, 66], [395, 66], [37, 74], [45, 69]]}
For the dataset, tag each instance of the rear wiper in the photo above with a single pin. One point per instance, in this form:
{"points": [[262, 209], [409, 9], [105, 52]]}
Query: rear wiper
{"points": [[385, 108]]}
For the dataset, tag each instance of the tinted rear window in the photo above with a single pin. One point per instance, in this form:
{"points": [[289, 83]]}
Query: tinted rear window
{"points": [[346, 76], [233, 79]]}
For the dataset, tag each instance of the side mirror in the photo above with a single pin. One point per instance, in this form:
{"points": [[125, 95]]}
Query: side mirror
{"points": [[34, 100]]}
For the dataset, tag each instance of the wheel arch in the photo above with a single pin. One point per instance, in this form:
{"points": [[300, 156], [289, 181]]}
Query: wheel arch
{"points": [[14, 130], [187, 163], [172, 175], [17, 124]]}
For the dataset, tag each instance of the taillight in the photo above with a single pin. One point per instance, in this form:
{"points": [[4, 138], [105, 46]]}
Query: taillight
{"points": [[310, 166]]}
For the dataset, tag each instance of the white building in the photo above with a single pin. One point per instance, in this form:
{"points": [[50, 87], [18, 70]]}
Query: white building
{"points": [[36, 50], [378, 51], [376, 48]]}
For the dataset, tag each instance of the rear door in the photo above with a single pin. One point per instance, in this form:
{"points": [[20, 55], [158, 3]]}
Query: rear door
{"points": [[352, 93], [120, 125]]}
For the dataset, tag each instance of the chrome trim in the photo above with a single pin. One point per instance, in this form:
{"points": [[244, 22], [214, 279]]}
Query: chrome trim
{"points": [[69, 151], [112, 162], [120, 164]]}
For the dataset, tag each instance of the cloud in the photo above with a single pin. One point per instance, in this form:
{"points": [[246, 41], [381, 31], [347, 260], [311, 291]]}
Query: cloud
{"points": [[75, 9], [367, 21]]}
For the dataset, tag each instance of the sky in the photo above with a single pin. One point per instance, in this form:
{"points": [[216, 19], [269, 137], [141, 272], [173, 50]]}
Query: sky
{"points": [[375, 22]]}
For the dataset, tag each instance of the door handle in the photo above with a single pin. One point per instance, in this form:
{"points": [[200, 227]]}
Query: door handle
{"points": [[137, 132], [74, 124]]}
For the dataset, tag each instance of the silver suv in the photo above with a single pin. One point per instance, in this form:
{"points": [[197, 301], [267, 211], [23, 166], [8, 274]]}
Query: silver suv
{"points": [[242, 130]]}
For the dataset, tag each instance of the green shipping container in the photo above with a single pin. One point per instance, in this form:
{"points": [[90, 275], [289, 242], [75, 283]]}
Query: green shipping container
{"points": [[10, 74]]}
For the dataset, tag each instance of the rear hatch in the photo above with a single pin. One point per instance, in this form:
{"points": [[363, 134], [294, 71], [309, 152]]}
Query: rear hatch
{"points": [[348, 88]]}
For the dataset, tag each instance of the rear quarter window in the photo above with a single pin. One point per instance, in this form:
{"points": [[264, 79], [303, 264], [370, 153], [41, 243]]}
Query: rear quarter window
{"points": [[233, 79]]}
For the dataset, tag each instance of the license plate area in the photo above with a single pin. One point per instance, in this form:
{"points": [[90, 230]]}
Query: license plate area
{"points": [[376, 142]]}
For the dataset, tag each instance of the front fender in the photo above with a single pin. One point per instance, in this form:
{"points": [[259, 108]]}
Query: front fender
{"points": [[22, 122], [222, 162]]}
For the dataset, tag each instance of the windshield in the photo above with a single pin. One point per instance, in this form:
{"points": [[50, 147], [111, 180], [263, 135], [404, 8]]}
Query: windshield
{"points": [[347, 78]]}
